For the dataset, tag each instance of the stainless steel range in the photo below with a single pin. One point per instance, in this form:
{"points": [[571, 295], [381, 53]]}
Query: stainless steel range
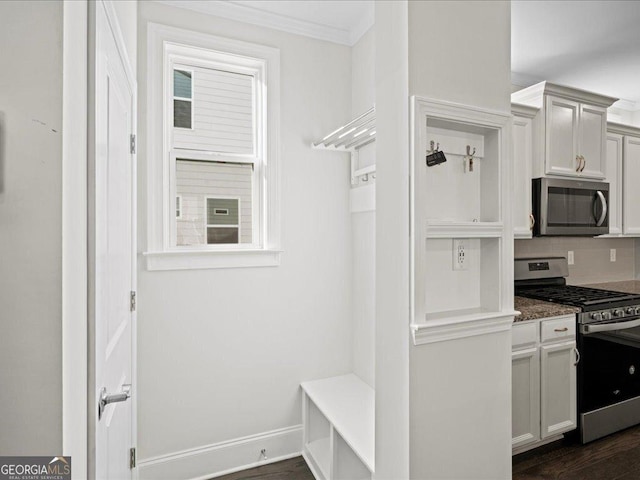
{"points": [[608, 339]]}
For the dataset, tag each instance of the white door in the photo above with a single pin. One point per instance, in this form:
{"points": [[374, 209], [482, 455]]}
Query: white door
{"points": [[525, 397], [558, 388], [592, 146], [114, 252], [614, 178], [630, 190], [522, 162], [561, 136]]}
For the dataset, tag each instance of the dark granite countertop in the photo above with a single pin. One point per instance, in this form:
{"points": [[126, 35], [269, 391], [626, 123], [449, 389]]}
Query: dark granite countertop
{"points": [[531, 309]]}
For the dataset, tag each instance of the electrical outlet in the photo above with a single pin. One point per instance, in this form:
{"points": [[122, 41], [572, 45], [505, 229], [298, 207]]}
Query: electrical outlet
{"points": [[570, 259], [612, 254], [460, 260]]}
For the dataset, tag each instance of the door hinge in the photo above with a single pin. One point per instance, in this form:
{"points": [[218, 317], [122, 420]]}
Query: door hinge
{"points": [[132, 304], [132, 457], [132, 144]]}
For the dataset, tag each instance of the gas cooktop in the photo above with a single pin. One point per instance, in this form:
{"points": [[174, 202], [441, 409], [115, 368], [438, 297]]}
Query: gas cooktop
{"points": [[582, 297]]}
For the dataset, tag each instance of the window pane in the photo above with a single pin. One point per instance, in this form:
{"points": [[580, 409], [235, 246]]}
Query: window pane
{"points": [[182, 113], [208, 190], [181, 84], [216, 208], [222, 235]]}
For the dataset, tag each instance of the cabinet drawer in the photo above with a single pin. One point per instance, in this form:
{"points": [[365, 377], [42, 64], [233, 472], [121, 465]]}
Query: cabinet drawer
{"points": [[561, 328], [524, 335]]}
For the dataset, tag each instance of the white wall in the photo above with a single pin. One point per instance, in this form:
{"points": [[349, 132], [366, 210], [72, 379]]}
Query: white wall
{"points": [[461, 389], [392, 240], [363, 223], [31, 228], [222, 352]]}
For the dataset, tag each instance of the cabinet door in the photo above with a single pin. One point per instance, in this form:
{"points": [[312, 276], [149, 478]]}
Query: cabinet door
{"points": [[522, 158], [558, 388], [525, 397], [630, 190], [561, 136], [592, 146], [614, 178]]}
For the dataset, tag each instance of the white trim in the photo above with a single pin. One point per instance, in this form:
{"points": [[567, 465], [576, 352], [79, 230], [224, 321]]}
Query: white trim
{"points": [[74, 235], [225, 457], [203, 259], [455, 328], [268, 233], [263, 18]]}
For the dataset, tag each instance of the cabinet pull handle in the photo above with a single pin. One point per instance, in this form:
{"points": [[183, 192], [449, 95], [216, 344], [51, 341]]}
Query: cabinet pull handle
{"points": [[532, 221], [584, 162], [564, 329], [579, 163], [577, 356]]}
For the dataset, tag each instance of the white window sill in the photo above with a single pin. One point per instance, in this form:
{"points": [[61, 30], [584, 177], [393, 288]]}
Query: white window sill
{"points": [[204, 259]]}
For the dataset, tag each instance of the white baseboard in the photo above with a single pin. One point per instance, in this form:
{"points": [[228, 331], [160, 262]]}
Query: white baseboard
{"points": [[225, 457]]}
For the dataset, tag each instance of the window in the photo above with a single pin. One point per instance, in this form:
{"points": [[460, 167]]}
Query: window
{"points": [[223, 220], [182, 99], [217, 138]]}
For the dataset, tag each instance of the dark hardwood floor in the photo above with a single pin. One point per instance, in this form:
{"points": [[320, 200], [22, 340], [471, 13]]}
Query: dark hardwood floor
{"points": [[616, 457], [292, 469]]}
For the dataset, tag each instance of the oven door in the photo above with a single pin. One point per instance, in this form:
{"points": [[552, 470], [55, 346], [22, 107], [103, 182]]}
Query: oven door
{"points": [[609, 377]]}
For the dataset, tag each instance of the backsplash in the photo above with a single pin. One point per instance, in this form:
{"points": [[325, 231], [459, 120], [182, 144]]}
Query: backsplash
{"points": [[592, 264]]}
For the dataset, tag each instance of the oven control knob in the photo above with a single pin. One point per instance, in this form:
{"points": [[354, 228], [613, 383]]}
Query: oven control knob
{"points": [[606, 315], [637, 311], [618, 312], [597, 316], [632, 369], [630, 311]]}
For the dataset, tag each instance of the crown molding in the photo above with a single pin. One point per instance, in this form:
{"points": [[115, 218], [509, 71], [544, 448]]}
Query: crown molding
{"points": [[255, 16]]}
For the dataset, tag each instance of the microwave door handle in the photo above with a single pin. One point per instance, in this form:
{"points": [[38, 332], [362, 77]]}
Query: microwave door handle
{"points": [[603, 215]]}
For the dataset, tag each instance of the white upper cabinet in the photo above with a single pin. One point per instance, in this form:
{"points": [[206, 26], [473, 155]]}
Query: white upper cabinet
{"points": [[522, 154], [569, 130], [623, 168], [630, 191]]}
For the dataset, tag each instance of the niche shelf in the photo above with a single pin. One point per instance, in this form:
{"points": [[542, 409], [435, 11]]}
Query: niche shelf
{"points": [[356, 138], [463, 201]]}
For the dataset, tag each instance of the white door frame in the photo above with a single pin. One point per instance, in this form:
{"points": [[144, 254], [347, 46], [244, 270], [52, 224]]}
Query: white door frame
{"points": [[78, 403]]}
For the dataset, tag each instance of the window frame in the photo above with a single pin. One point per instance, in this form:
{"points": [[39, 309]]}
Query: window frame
{"points": [[160, 254]]}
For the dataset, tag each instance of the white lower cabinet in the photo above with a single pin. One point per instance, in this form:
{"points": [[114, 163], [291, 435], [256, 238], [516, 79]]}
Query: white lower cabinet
{"points": [[558, 388], [544, 362]]}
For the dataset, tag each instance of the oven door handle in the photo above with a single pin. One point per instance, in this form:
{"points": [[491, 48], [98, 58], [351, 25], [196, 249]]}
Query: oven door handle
{"points": [[608, 327]]}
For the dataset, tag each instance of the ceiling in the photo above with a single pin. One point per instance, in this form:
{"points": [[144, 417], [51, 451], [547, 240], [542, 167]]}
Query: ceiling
{"points": [[593, 45]]}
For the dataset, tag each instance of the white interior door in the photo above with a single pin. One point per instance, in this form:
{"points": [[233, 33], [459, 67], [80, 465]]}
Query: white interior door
{"points": [[114, 250]]}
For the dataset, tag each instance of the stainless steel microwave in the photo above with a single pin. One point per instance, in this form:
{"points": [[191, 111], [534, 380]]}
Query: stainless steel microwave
{"points": [[570, 207]]}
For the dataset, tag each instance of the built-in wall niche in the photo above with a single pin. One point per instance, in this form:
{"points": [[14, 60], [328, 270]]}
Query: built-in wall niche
{"points": [[454, 290], [463, 189], [462, 257]]}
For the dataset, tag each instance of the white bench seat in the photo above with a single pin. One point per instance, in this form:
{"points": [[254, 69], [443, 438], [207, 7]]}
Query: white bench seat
{"points": [[348, 405]]}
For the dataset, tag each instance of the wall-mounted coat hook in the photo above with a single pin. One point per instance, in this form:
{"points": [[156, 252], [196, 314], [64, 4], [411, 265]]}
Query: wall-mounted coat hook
{"points": [[434, 155], [468, 158]]}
